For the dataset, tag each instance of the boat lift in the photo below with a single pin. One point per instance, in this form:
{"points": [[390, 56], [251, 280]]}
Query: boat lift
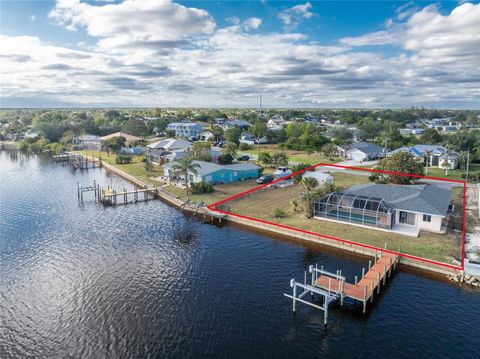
{"points": [[330, 294]]}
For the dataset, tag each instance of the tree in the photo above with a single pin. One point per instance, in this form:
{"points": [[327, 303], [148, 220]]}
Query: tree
{"points": [[309, 197], [309, 183], [230, 149], [342, 135], [330, 150], [265, 158], [148, 166], [399, 162], [369, 129], [280, 158], [217, 132], [113, 144], [184, 166], [201, 151], [233, 135], [135, 128], [431, 136], [258, 129], [225, 159]]}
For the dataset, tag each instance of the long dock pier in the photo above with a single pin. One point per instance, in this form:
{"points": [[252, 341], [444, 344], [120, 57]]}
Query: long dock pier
{"points": [[111, 197], [333, 286], [78, 161]]}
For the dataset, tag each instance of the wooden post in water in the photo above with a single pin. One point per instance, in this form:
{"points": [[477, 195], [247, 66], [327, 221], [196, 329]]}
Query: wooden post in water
{"points": [[363, 273], [356, 279], [365, 299], [378, 287], [373, 290], [369, 264], [384, 274]]}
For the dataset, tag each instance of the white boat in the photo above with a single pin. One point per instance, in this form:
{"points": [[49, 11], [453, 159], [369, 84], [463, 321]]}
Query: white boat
{"points": [[282, 172]]}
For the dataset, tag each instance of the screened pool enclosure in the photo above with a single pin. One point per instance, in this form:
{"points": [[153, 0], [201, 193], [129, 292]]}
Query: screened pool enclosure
{"points": [[354, 208]]}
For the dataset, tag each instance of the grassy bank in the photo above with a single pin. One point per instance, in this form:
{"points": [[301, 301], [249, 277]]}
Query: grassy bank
{"points": [[136, 168], [294, 156]]}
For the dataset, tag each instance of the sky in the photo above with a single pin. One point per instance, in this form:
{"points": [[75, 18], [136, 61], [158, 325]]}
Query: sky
{"points": [[306, 54]]}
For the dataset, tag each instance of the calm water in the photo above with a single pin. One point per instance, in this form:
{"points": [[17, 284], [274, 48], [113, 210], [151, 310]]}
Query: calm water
{"points": [[145, 281]]}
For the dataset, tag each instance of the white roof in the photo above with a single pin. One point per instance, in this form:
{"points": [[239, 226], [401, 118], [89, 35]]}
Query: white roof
{"points": [[170, 144], [319, 176]]}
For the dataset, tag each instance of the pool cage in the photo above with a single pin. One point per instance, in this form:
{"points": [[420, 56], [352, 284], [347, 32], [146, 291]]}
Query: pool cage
{"points": [[355, 208]]}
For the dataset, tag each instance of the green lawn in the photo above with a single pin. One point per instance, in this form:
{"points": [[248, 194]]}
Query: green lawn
{"points": [[452, 174], [295, 156], [136, 168]]}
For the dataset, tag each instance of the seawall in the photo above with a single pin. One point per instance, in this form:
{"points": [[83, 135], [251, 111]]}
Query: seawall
{"points": [[295, 235]]}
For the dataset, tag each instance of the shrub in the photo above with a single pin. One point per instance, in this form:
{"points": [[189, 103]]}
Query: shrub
{"points": [[279, 213], [202, 187], [225, 159], [123, 160], [245, 147]]}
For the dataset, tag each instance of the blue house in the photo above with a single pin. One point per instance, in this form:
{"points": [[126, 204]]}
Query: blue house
{"points": [[215, 174]]}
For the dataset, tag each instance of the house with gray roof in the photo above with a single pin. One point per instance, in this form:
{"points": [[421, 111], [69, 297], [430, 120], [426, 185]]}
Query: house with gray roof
{"points": [[404, 209], [215, 174], [361, 151], [431, 155]]}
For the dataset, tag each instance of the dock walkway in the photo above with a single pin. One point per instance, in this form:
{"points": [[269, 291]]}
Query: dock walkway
{"points": [[333, 286]]}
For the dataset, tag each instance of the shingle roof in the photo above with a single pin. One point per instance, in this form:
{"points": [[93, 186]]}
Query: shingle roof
{"points": [[367, 147], [170, 144], [429, 199]]}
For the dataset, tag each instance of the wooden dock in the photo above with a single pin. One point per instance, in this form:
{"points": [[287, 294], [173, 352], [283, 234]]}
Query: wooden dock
{"points": [[333, 286], [78, 161]]}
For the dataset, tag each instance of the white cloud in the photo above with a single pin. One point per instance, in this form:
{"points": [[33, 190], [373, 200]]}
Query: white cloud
{"points": [[252, 23], [33, 17], [436, 62], [233, 20], [292, 17], [136, 23]]}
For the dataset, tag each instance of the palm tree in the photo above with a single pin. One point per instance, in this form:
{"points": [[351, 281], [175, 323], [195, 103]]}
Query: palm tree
{"points": [[428, 156], [184, 166], [446, 162]]}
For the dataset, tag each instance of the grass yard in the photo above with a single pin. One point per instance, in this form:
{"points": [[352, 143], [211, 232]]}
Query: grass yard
{"points": [[136, 168], [295, 156], [439, 247], [452, 174]]}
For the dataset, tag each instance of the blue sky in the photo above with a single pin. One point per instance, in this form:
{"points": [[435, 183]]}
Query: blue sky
{"points": [[225, 53]]}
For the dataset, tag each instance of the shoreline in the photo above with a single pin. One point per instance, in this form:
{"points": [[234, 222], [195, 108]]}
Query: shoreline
{"points": [[171, 199]]}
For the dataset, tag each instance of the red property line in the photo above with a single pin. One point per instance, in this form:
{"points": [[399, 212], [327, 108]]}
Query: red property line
{"points": [[213, 206]]}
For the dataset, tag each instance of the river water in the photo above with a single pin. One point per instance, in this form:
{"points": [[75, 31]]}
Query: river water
{"points": [[143, 280]]}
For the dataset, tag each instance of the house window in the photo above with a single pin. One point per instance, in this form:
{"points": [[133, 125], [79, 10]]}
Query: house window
{"points": [[427, 218]]}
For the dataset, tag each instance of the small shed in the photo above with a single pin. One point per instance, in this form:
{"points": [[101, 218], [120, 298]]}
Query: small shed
{"points": [[321, 177]]}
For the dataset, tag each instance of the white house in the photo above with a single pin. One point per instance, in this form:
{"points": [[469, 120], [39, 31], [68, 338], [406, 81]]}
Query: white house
{"points": [[431, 155], [159, 151], [404, 209], [320, 176], [185, 129], [205, 136], [361, 151]]}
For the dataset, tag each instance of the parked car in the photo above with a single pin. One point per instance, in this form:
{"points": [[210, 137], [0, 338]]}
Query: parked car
{"points": [[243, 158], [265, 179]]}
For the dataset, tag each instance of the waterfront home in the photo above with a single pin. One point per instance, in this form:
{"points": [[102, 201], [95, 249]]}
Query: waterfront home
{"points": [[431, 155], [167, 149], [412, 131], [215, 174], [129, 138], [86, 142], [404, 209], [361, 151], [185, 129]]}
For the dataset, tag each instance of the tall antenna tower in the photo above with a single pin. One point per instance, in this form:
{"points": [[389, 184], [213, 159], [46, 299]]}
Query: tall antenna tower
{"points": [[261, 110]]}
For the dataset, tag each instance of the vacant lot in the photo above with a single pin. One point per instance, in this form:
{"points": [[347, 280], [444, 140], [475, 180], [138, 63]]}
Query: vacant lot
{"points": [[262, 204]]}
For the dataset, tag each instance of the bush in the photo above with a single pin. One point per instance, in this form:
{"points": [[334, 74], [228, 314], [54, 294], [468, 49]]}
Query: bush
{"points": [[202, 187], [279, 213], [245, 147], [123, 160], [225, 159]]}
